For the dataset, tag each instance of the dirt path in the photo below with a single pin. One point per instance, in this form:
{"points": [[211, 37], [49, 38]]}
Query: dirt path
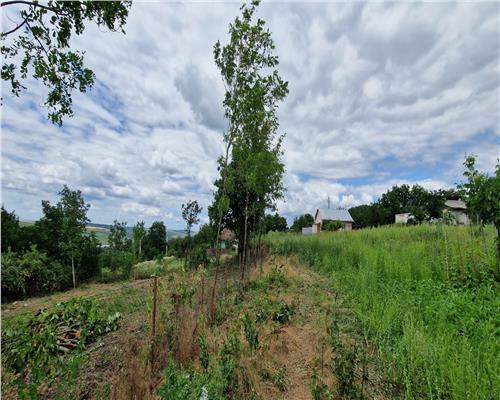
{"points": [[296, 350]]}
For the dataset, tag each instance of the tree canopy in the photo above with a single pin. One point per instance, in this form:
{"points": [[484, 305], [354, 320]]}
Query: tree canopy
{"points": [[423, 204], [302, 221], [155, 240], [40, 45]]}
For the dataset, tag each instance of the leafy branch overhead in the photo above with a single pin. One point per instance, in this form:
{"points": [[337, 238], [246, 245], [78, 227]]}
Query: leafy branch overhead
{"points": [[43, 48]]}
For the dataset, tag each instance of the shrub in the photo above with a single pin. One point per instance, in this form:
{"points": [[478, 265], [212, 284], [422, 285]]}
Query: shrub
{"points": [[331, 226], [32, 273], [109, 276], [117, 260]]}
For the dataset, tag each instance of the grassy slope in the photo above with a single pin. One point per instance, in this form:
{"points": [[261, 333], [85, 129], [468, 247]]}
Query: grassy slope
{"points": [[428, 298], [290, 307]]}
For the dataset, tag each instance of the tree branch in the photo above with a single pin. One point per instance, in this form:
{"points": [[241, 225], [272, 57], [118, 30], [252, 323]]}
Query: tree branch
{"points": [[29, 3], [38, 40], [16, 28]]}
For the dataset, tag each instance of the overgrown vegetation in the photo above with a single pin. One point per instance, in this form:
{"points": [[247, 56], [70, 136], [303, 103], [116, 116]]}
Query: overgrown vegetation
{"points": [[426, 296], [49, 345]]}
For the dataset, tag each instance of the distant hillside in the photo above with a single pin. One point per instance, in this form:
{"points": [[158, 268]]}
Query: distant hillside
{"points": [[102, 231]]}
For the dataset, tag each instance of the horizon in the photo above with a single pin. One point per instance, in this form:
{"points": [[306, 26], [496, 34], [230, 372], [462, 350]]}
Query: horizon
{"points": [[380, 95]]}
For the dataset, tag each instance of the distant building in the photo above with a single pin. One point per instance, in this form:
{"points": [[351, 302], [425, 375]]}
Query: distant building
{"points": [[402, 218], [307, 231], [323, 215], [458, 209], [227, 234]]}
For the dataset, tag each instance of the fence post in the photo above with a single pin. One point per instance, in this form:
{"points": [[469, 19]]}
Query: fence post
{"points": [[153, 326]]}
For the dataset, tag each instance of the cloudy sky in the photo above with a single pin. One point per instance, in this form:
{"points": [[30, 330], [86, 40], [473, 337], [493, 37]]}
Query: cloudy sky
{"points": [[380, 94]]}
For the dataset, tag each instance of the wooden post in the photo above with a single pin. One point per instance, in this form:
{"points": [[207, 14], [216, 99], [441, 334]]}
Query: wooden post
{"points": [[153, 325]]}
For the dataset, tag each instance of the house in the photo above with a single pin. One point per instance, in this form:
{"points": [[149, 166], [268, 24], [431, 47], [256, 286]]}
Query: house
{"points": [[323, 215], [458, 209], [226, 236], [402, 218], [307, 231]]}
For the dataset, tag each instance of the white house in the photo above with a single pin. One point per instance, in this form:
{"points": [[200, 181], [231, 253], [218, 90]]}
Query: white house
{"points": [[458, 209], [402, 218], [332, 215]]}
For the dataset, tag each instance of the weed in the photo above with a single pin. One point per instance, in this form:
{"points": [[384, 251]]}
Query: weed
{"points": [[204, 353], [228, 361], [343, 366], [279, 379], [276, 278], [319, 389], [283, 314], [251, 333]]}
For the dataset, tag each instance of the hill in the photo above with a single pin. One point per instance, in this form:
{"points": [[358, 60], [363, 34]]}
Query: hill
{"points": [[102, 230]]}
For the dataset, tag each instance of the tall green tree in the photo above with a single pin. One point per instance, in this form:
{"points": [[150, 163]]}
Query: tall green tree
{"points": [[10, 230], [251, 170], [117, 239], [64, 225], [155, 240], [302, 221], [190, 212], [39, 44], [138, 234], [275, 223]]}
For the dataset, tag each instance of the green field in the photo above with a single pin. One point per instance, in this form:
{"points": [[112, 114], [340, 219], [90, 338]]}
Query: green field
{"points": [[426, 296]]}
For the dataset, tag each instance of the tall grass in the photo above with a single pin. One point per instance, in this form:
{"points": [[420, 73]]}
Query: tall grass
{"points": [[426, 296]]}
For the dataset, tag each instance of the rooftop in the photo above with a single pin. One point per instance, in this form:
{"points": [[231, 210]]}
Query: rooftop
{"points": [[456, 204], [335, 215]]}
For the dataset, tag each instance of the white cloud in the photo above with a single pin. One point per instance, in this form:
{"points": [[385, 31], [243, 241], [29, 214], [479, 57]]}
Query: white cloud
{"points": [[140, 209]]}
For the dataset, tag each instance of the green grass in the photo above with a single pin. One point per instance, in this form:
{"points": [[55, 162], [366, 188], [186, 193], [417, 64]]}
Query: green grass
{"points": [[426, 296]]}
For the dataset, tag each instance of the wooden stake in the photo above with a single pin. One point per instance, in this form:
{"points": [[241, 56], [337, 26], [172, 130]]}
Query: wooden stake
{"points": [[153, 325]]}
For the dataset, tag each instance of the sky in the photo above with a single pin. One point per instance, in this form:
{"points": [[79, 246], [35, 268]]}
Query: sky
{"points": [[380, 94]]}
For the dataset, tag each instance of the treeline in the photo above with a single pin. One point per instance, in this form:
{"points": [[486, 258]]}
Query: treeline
{"points": [[58, 252], [422, 204], [480, 191]]}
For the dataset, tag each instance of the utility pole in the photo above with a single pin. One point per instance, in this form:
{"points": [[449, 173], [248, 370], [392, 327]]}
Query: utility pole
{"points": [[328, 202]]}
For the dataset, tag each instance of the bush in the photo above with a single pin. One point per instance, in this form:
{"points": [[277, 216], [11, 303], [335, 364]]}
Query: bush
{"points": [[116, 260], [32, 273], [109, 276], [147, 269], [331, 226]]}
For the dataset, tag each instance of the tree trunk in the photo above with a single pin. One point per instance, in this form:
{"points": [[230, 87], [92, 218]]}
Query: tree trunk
{"points": [[245, 244], [219, 225], [73, 269]]}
